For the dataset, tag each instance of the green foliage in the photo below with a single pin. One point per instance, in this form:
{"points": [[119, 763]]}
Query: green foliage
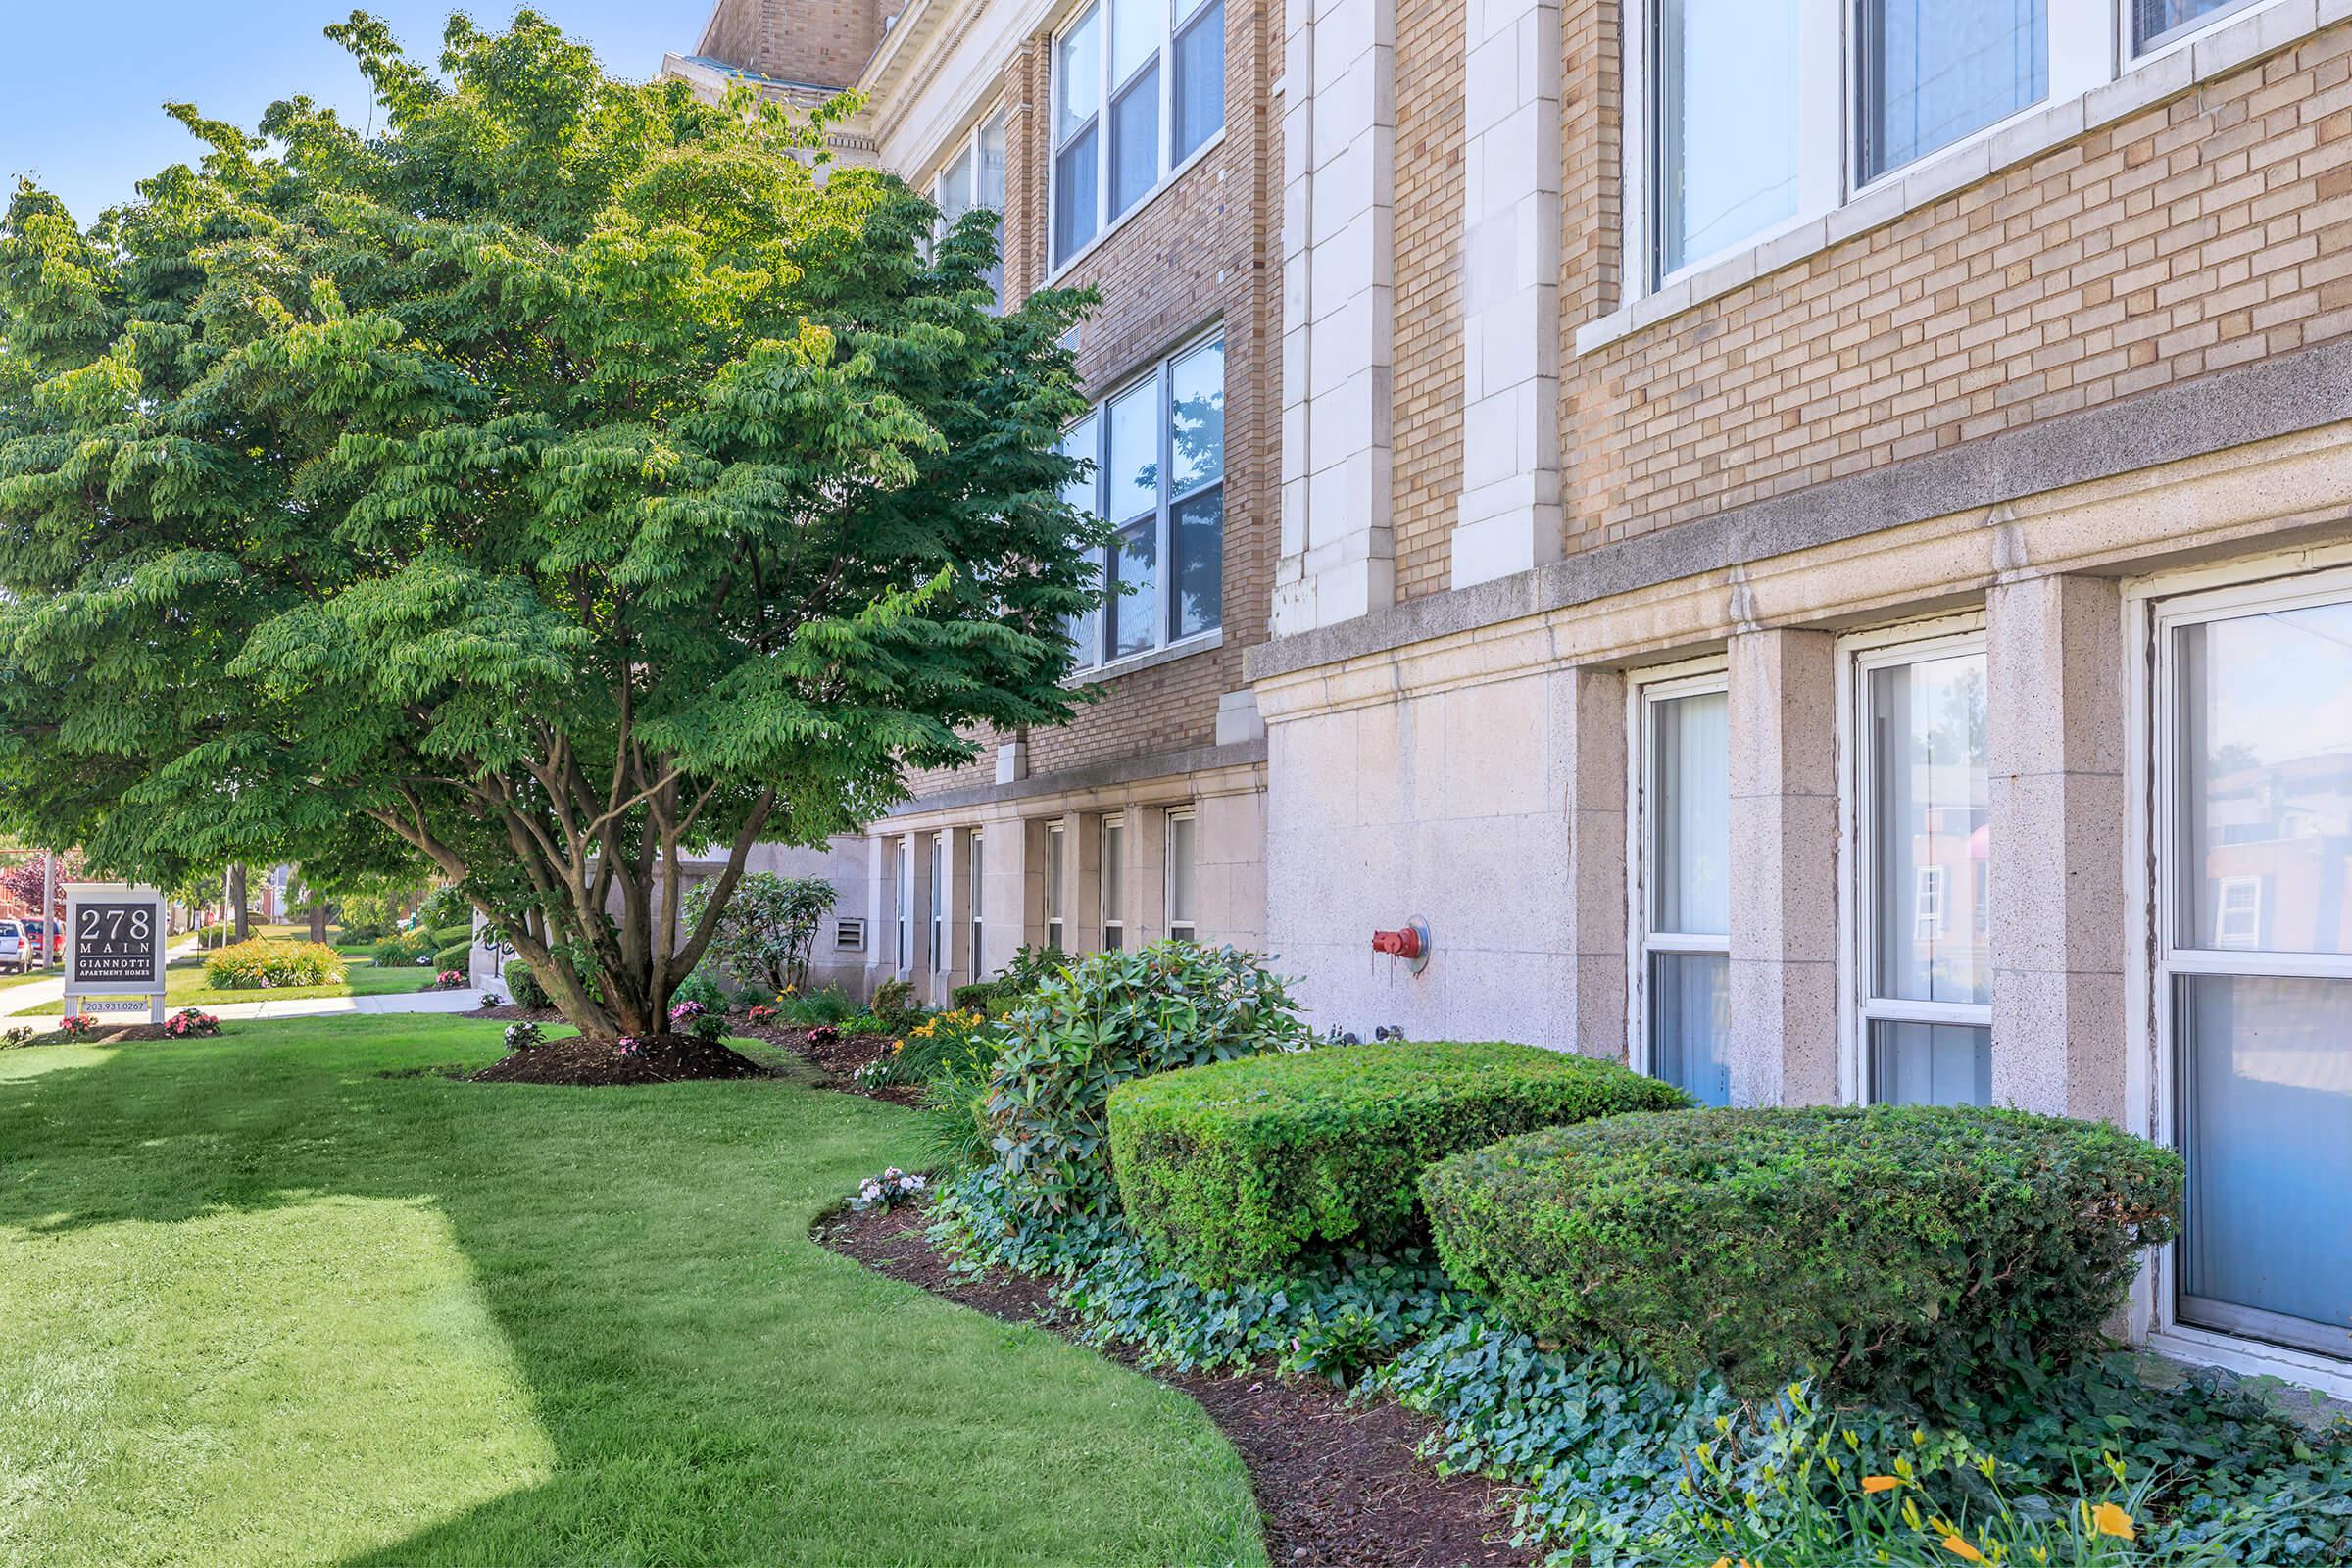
{"points": [[957, 1041], [457, 956], [1894, 1250], [563, 474], [523, 986], [444, 906], [401, 948], [766, 929], [1622, 1467], [1231, 1171], [815, 1006], [453, 935], [215, 935], [894, 1005], [1109, 1019], [983, 996], [264, 961], [701, 986]]}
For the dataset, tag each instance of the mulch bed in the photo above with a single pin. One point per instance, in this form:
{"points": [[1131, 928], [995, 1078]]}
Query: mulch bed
{"points": [[125, 1034], [1337, 1484], [601, 1064]]}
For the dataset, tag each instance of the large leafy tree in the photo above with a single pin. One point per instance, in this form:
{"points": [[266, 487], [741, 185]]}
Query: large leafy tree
{"points": [[568, 478]]}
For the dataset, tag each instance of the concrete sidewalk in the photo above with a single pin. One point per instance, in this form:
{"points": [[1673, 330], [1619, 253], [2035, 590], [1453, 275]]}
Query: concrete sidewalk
{"points": [[53, 990]]}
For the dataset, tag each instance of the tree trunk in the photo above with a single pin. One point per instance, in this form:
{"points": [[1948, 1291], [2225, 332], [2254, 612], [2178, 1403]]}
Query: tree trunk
{"points": [[236, 898], [318, 922]]}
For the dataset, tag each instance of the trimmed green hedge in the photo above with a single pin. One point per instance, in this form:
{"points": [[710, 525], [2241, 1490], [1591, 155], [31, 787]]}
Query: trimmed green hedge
{"points": [[1230, 1171], [523, 986], [1898, 1252], [456, 955]]}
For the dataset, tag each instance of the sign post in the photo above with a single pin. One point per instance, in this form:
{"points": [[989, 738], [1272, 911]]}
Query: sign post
{"points": [[114, 948]]}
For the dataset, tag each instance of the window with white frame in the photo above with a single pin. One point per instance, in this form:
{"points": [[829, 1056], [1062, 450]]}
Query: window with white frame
{"points": [[902, 898], [1158, 452], [1757, 115], [1056, 889], [1179, 875], [1115, 883], [939, 903], [1920, 799], [2253, 766], [1162, 74], [1683, 868], [2239, 922], [2157, 23], [976, 894], [973, 176], [1725, 116]]}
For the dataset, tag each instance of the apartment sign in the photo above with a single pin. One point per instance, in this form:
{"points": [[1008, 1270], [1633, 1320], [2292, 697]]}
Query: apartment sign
{"points": [[114, 946]]}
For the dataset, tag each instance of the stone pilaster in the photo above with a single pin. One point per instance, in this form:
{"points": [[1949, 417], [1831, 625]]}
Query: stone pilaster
{"points": [[1784, 799], [2055, 754], [1510, 513], [1589, 723], [1337, 549]]}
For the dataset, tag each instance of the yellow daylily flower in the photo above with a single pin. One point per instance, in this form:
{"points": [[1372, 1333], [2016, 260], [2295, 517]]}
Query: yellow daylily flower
{"points": [[2110, 1520], [1880, 1483], [1962, 1549]]}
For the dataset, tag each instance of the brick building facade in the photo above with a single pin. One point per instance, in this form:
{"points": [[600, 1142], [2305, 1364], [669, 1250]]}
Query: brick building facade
{"points": [[1810, 541]]}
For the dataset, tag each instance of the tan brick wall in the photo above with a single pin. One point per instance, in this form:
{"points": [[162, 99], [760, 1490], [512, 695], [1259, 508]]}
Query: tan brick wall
{"points": [[1425, 419], [1203, 249], [2201, 233]]}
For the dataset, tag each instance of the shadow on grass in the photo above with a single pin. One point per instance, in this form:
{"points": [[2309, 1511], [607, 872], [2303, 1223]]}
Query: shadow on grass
{"points": [[709, 1385]]}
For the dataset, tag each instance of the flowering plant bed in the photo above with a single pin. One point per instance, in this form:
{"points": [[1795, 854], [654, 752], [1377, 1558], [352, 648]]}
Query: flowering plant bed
{"points": [[845, 1059]]}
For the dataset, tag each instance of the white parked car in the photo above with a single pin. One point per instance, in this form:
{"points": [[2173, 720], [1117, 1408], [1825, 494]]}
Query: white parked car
{"points": [[19, 949]]}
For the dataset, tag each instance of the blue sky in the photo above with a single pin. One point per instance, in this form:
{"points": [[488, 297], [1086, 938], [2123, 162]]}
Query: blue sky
{"points": [[81, 84]]}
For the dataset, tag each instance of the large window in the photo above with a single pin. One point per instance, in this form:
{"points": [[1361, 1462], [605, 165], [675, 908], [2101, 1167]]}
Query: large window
{"points": [[1159, 450], [2254, 769], [974, 176], [2156, 22], [1726, 115], [1115, 883], [1752, 117], [1934, 71], [1180, 874], [902, 898], [975, 882], [1921, 812], [1127, 115], [938, 955], [1058, 888], [1686, 877]]}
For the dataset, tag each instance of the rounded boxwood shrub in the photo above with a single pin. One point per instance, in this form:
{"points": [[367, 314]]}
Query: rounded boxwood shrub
{"points": [[1229, 1172], [1089, 1028], [457, 956], [1898, 1252]]}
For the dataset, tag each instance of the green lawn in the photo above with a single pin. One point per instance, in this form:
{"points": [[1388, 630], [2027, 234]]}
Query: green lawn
{"points": [[185, 985], [263, 1305]]}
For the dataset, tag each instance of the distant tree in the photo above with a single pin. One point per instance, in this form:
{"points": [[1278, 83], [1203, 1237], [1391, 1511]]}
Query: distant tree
{"points": [[765, 927], [23, 881], [561, 484]]}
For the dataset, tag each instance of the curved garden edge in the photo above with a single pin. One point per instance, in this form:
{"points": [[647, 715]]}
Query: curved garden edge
{"points": [[1337, 1483]]}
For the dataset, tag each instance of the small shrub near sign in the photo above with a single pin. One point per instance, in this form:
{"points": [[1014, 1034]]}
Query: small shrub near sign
{"points": [[189, 1022], [77, 1024], [262, 964], [1892, 1250]]}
